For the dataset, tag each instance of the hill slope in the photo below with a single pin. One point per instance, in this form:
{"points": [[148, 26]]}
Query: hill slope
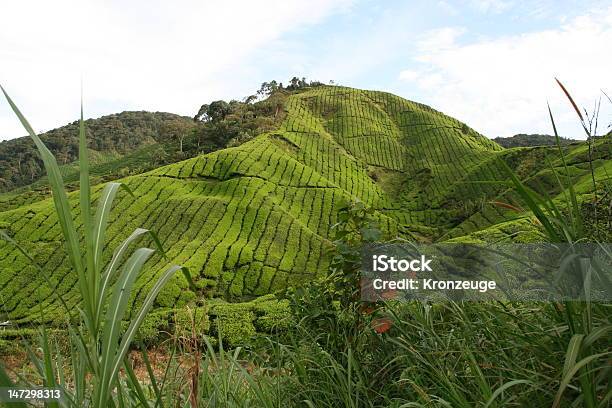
{"points": [[253, 219]]}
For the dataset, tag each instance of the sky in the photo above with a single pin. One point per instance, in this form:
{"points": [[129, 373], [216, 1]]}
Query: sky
{"points": [[488, 63]]}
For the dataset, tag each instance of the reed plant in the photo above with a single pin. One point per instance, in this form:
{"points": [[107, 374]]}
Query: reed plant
{"points": [[98, 341], [564, 223]]}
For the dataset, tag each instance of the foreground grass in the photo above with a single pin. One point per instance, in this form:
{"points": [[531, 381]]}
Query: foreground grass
{"points": [[453, 355]]}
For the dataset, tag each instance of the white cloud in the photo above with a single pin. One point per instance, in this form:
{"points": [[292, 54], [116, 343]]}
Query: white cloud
{"points": [[490, 6], [438, 40], [409, 75], [151, 55], [500, 86]]}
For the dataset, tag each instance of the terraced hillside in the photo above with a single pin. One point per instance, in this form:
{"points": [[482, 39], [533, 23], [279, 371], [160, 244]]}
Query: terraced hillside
{"points": [[252, 219]]}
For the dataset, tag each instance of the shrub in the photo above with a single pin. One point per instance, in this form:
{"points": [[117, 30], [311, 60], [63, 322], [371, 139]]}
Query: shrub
{"points": [[273, 315], [233, 323], [152, 327]]}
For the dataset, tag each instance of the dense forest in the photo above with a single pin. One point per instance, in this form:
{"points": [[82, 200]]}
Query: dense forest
{"points": [[530, 140], [109, 136]]}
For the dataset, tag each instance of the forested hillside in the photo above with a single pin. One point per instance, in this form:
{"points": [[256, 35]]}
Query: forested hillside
{"points": [[110, 137], [524, 140]]}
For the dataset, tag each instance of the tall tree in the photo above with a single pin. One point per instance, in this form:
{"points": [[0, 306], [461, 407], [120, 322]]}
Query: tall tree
{"points": [[177, 130]]}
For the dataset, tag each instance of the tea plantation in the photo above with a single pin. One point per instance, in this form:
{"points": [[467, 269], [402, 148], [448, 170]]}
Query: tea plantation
{"points": [[253, 219]]}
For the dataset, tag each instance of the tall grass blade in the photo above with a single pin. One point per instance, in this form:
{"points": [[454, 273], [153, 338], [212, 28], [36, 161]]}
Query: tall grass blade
{"points": [[151, 374], [78, 366], [596, 334], [571, 355], [584, 127], [114, 315], [503, 388], [130, 333], [105, 203], [574, 207], [102, 214], [567, 378], [115, 263], [565, 91], [134, 384], [85, 202], [532, 202], [49, 375]]}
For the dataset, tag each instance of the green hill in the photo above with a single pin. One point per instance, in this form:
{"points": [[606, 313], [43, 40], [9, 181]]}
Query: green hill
{"points": [[253, 219]]}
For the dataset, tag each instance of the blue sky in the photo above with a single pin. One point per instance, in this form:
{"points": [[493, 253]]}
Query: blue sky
{"points": [[490, 63]]}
